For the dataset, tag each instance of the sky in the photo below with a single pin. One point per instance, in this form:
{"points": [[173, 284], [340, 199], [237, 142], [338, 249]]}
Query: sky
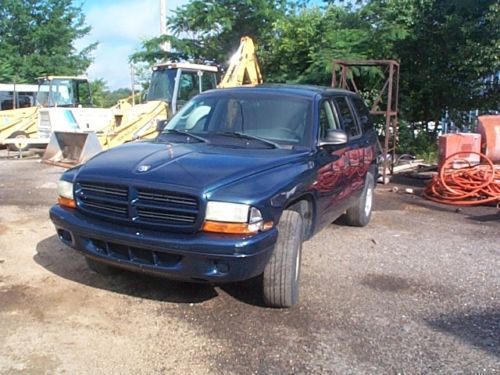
{"points": [[119, 27]]}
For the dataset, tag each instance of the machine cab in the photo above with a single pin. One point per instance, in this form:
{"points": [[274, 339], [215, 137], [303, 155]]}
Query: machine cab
{"points": [[72, 92], [176, 83]]}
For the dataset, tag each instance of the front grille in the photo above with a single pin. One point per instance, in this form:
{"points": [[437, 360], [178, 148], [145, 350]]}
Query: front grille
{"points": [[138, 206], [106, 200], [159, 206]]}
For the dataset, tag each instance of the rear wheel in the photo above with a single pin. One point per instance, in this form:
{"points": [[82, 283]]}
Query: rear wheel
{"points": [[100, 268], [360, 214], [282, 274], [18, 146]]}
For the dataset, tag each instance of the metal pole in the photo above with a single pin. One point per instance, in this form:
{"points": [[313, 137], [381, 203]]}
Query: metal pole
{"points": [[132, 80], [14, 97], [388, 122], [163, 25]]}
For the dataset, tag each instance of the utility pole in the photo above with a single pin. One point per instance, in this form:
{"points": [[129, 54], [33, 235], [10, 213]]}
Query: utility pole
{"points": [[163, 25], [132, 78]]}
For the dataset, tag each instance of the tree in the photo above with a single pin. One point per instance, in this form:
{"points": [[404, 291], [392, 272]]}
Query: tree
{"points": [[37, 38], [210, 30], [451, 50]]}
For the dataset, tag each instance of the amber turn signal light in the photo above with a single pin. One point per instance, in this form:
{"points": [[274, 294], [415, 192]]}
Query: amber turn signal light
{"points": [[66, 202], [235, 228]]}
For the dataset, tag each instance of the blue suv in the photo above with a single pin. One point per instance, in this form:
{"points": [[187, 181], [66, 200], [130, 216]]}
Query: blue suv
{"points": [[228, 191]]}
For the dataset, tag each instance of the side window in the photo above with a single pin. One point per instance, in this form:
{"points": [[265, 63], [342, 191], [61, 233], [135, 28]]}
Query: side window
{"points": [[346, 118], [363, 113], [208, 81], [189, 85], [327, 118]]}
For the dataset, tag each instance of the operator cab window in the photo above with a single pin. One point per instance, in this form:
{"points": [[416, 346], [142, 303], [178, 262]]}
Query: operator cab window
{"points": [[189, 86], [208, 81], [349, 125], [327, 118]]}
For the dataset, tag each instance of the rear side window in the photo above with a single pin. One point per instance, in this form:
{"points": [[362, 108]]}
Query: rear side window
{"points": [[363, 113], [346, 118]]}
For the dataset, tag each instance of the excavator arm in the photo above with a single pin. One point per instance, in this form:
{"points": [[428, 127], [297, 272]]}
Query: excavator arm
{"points": [[243, 68]]}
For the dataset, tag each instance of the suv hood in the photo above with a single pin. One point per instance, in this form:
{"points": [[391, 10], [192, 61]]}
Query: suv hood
{"points": [[198, 166]]}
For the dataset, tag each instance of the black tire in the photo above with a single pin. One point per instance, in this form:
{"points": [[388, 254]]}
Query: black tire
{"points": [[280, 281], [99, 267], [360, 214], [14, 147]]}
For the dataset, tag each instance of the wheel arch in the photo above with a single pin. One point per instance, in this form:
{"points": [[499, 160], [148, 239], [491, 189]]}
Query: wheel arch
{"points": [[306, 207]]}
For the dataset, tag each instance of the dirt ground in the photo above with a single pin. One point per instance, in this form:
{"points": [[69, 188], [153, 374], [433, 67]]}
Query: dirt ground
{"points": [[417, 291]]}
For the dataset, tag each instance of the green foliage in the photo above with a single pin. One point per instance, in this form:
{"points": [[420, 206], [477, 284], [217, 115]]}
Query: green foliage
{"points": [[37, 38], [422, 146], [102, 97], [453, 47], [6, 71], [211, 30]]}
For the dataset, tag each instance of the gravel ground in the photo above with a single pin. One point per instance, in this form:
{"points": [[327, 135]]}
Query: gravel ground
{"points": [[417, 291]]}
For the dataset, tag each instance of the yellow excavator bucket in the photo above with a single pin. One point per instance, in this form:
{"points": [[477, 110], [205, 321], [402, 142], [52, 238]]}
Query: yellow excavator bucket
{"points": [[68, 149]]}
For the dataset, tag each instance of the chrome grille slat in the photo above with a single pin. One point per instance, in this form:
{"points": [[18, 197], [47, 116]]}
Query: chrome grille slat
{"points": [[122, 192], [165, 216], [106, 207], [167, 198]]}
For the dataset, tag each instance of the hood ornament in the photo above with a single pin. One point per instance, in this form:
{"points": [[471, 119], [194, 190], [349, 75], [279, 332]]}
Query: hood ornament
{"points": [[143, 168]]}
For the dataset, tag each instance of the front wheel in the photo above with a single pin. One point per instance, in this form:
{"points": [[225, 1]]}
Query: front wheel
{"points": [[21, 146], [360, 214], [281, 276]]}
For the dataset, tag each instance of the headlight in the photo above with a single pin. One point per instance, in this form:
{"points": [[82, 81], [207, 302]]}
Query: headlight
{"points": [[227, 212], [235, 218], [65, 189]]}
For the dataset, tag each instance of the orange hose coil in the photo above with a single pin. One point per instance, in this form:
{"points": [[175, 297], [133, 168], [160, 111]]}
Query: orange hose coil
{"points": [[472, 185]]}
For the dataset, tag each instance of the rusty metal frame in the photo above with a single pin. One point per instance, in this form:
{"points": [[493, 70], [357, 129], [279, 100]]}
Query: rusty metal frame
{"points": [[388, 97]]}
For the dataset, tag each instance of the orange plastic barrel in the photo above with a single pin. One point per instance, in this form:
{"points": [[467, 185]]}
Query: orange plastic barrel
{"points": [[468, 144], [489, 128]]}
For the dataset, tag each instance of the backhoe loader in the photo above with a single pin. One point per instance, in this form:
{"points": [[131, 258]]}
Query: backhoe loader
{"points": [[23, 126], [171, 86]]}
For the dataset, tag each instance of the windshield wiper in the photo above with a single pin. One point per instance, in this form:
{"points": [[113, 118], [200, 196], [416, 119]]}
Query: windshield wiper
{"points": [[248, 136], [187, 134]]}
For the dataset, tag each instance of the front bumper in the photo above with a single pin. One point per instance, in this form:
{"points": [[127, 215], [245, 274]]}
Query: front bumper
{"points": [[198, 257]]}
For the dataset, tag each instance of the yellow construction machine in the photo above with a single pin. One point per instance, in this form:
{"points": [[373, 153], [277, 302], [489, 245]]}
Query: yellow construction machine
{"points": [[20, 127], [171, 86]]}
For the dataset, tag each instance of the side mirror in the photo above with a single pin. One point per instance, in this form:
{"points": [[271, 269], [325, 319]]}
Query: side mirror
{"points": [[334, 137]]}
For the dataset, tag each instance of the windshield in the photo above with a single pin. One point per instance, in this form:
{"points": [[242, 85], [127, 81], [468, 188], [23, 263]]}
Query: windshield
{"points": [[162, 85], [280, 119], [63, 93]]}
